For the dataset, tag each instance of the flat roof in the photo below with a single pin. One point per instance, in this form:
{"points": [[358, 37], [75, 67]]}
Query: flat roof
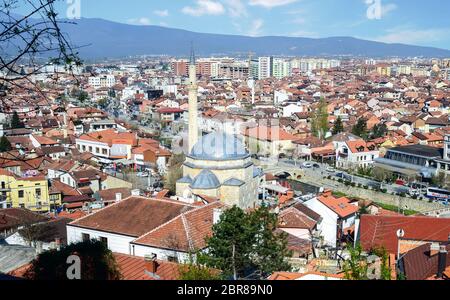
{"points": [[419, 150]]}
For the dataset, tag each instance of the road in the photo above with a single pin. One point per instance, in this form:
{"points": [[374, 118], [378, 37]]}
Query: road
{"points": [[322, 171]]}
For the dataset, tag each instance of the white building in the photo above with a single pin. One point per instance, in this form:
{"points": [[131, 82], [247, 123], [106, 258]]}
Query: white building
{"points": [[146, 227], [265, 67], [281, 68], [338, 217], [356, 154], [102, 81]]}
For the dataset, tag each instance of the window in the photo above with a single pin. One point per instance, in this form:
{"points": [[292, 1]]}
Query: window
{"points": [[90, 148], [104, 151], [21, 194], [38, 193], [84, 148], [3, 185], [85, 237], [97, 150], [172, 259], [104, 240]]}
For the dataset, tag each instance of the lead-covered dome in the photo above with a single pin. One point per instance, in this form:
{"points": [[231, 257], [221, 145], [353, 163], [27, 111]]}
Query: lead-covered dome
{"points": [[219, 146], [205, 180]]}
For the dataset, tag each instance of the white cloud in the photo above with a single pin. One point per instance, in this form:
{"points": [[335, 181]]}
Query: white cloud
{"points": [[271, 3], [414, 36], [161, 13], [255, 28], [204, 7], [236, 8], [139, 21]]}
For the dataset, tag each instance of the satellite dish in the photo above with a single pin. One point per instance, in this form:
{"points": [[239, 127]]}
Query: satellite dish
{"points": [[400, 233]]}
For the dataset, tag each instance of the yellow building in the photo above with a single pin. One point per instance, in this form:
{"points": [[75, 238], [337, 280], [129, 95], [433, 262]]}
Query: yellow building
{"points": [[29, 193]]}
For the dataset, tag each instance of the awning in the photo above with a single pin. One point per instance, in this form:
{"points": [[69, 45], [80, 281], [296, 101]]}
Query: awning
{"points": [[276, 188]]}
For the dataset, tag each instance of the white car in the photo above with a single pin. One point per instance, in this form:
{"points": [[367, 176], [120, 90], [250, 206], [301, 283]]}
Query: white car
{"points": [[142, 174], [331, 170], [307, 165]]}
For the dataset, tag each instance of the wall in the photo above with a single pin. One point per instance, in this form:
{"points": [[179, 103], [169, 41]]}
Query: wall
{"points": [[116, 243], [328, 226]]}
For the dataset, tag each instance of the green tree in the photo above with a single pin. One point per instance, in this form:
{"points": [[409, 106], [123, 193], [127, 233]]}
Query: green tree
{"points": [[82, 96], [378, 131], [195, 270], [360, 128], [319, 120], [175, 172], [5, 145], [97, 263], [15, 121], [356, 267], [244, 243], [338, 126]]}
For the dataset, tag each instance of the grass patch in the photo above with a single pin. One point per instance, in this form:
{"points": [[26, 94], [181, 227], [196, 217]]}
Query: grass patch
{"points": [[407, 212]]}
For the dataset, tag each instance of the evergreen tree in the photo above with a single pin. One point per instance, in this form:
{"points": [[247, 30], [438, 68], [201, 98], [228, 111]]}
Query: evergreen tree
{"points": [[246, 243], [15, 121], [5, 145], [319, 121], [379, 131], [97, 263], [338, 126], [360, 128]]}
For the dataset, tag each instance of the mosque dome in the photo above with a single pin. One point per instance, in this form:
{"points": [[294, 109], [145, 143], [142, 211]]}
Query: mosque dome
{"points": [[219, 146], [205, 180]]}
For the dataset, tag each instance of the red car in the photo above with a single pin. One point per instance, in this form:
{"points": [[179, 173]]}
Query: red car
{"points": [[400, 182]]}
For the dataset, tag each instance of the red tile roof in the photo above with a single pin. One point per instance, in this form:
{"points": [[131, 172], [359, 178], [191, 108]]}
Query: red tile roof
{"points": [[341, 206], [133, 268], [185, 232], [378, 231], [133, 216]]}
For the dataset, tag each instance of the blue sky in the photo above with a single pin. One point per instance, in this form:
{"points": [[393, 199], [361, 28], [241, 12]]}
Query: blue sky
{"points": [[417, 22]]}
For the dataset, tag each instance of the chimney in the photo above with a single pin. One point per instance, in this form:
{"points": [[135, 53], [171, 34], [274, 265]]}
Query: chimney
{"points": [[118, 197], [151, 265], [442, 261], [217, 213]]}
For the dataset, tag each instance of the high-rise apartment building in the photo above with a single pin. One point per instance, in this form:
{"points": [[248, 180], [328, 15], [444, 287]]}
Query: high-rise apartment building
{"points": [[265, 67]]}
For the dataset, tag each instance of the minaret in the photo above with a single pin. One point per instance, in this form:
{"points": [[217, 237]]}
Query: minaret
{"points": [[193, 103]]}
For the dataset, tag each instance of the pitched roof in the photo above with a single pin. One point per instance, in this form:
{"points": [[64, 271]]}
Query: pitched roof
{"points": [[133, 216], [307, 211], [185, 232], [420, 263], [341, 206], [382, 230], [293, 218], [133, 268]]}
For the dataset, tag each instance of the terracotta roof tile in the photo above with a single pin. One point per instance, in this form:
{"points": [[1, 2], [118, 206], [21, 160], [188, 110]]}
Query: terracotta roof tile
{"points": [[133, 216]]}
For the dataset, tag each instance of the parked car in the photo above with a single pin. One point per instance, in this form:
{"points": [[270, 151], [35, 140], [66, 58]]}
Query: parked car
{"points": [[142, 174], [307, 165], [331, 170]]}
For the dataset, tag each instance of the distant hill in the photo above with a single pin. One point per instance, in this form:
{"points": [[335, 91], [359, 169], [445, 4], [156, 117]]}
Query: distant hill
{"points": [[109, 39]]}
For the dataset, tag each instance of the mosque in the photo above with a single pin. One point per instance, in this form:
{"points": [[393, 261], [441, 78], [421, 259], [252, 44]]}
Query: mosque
{"points": [[217, 166]]}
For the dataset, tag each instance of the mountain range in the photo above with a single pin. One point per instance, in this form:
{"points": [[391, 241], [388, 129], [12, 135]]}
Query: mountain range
{"points": [[100, 38]]}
